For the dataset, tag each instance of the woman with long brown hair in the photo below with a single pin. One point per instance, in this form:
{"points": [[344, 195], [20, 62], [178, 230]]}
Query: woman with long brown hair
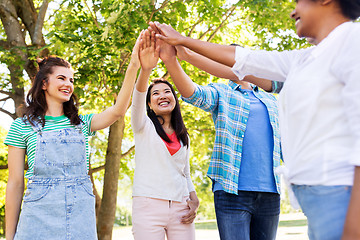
{"points": [[59, 202]]}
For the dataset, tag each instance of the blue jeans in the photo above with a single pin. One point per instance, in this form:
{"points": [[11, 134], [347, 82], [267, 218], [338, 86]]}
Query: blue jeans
{"points": [[325, 208], [248, 215]]}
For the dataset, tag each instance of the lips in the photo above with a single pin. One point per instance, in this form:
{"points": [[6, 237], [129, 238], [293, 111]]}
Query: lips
{"points": [[164, 104], [66, 91]]}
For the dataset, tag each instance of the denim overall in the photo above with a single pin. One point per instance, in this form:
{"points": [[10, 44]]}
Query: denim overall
{"points": [[59, 202]]}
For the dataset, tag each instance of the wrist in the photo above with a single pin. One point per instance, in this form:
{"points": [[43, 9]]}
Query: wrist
{"points": [[170, 60], [182, 40], [146, 71], [134, 65]]}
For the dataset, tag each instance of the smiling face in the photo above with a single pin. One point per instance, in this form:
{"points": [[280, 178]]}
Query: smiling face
{"points": [[60, 84], [162, 100], [307, 15]]}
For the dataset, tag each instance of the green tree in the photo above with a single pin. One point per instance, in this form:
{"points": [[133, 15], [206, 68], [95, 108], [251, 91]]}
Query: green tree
{"points": [[3, 179], [97, 38]]}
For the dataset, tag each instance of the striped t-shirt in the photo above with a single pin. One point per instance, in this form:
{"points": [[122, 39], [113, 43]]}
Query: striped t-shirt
{"points": [[22, 135]]}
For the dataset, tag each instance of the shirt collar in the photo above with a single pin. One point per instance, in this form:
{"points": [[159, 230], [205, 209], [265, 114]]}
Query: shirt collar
{"points": [[236, 86]]}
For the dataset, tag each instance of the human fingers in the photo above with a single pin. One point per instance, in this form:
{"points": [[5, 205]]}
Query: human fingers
{"points": [[189, 217], [153, 27], [137, 42], [152, 37], [147, 38]]}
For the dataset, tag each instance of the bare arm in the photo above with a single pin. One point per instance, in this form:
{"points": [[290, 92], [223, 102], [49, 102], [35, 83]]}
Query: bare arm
{"points": [[223, 54], [14, 189], [351, 228], [218, 69], [113, 113], [205, 64]]}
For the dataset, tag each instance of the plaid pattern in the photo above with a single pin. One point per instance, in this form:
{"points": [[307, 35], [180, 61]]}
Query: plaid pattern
{"points": [[229, 106]]}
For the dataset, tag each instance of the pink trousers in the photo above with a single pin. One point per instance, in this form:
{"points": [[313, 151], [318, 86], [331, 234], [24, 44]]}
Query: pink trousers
{"points": [[153, 218]]}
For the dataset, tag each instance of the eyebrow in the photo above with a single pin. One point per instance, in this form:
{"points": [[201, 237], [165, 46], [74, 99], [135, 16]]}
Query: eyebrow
{"points": [[60, 75]]}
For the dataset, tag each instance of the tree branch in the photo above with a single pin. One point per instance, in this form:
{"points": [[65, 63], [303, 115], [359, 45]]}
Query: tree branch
{"points": [[128, 151], [4, 99], [37, 40], [4, 166], [206, 32], [97, 169], [228, 13], [158, 9], [193, 27], [12, 115], [5, 92], [92, 14]]}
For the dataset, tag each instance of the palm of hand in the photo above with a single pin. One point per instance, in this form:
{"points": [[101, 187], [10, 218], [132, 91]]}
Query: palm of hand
{"points": [[148, 58]]}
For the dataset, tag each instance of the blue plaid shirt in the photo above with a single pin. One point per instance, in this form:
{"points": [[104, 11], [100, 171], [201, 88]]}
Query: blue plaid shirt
{"points": [[230, 107]]}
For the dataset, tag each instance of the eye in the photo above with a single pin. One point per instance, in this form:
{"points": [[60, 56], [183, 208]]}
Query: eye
{"points": [[72, 80]]}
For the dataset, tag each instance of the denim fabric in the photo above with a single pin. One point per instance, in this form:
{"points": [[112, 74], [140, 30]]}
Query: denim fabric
{"points": [[58, 203], [325, 208], [248, 215]]}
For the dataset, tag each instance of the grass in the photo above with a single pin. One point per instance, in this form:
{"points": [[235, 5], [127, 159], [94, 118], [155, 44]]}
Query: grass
{"points": [[211, 224], [293, 223]]}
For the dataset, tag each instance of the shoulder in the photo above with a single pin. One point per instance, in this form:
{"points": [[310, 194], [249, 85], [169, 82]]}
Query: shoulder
{"points": [[20, 124], [86, 118]]}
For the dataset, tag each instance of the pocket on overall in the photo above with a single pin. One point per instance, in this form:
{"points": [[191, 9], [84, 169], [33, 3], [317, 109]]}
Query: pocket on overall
{"points": [[63, 151], [87, 186], [36, 192]]}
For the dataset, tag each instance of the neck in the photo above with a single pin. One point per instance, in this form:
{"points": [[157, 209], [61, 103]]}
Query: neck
{"points": [[329, 27], [54, 109], [243, 84], [166, 124]]}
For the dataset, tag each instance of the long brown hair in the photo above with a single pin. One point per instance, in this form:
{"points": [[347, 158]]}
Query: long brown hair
{"points": [[176, 117], [36, 105]]}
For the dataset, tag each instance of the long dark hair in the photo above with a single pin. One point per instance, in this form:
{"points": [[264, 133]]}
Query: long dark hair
{"points": [[176, 118], [35, 99]]}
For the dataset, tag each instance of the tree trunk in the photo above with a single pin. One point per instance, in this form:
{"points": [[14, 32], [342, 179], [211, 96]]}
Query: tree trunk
{"points": [[106, 216]]}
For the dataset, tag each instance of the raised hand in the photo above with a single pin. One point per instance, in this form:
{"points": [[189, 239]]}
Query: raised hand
{"points": [[135, 61], [166, 33], [182, 52], [167, 52], [149, 53]]}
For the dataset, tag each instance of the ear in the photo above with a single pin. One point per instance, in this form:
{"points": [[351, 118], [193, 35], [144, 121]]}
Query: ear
{"points": [[326, 2], [43, 85]]}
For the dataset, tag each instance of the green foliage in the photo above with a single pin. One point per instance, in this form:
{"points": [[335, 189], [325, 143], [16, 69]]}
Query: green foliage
{"points": [[3, 178], [97, 37]]}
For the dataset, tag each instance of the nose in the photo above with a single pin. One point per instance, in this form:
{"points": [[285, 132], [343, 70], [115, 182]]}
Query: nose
{"points": [[293, 14]]}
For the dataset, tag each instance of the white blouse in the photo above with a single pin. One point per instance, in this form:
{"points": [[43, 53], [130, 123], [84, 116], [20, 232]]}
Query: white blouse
{"points": [[158, 174], [319, 105]]}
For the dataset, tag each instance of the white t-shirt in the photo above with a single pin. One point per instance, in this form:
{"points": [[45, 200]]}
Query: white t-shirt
{"points": [[319, 105]]}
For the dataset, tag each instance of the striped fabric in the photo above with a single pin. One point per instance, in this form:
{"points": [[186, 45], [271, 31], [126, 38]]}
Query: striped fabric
{"points": [[22, 135], [230, 110]]}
